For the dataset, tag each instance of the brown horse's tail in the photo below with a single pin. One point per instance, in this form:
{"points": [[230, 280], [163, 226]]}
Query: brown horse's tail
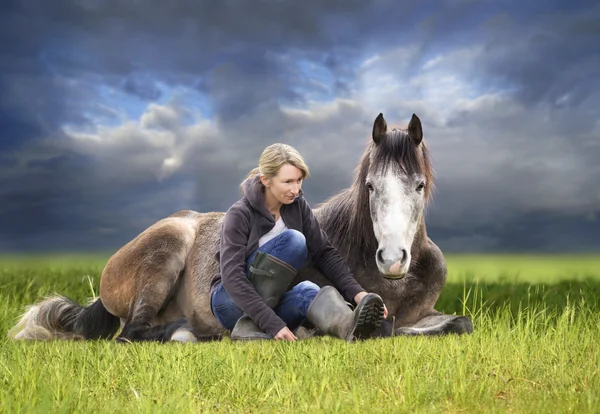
{"points": [[59, 317]]}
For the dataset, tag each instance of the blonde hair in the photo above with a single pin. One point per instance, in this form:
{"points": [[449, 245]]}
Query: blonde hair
{"points": [[273, 157]]}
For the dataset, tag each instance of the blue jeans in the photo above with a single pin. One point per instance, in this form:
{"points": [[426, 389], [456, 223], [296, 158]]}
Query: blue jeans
{"points": [[289, 246]]}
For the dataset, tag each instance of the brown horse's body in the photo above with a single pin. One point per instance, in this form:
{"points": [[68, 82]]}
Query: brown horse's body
{"points": [[164, 274]]}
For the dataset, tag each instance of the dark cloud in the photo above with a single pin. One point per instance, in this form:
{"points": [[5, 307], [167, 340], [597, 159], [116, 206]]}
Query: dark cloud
{"points": [[534, 231], [66, 204], [554, 59], [8, 162], [142, 88], [16, 127]]}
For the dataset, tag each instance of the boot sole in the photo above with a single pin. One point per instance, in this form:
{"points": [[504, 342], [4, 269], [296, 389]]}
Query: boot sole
{"points": [[246, 330], [369, 318], [255, 337]]}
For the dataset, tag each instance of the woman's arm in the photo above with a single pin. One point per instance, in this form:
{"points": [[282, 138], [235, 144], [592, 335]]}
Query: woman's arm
{"points": [[234, 237]]}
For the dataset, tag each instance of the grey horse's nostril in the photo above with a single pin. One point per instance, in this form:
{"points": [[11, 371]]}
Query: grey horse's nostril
{"points": [[404, 256], [380, 256]]}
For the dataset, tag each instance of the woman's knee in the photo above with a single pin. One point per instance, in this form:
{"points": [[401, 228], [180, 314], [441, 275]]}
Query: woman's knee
{"points": [[306, 289], [294, 237], [295, 251]]}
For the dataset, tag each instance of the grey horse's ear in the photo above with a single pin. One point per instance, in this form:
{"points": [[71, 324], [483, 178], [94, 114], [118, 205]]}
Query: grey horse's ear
{"points": [[415, 130], [379, 129]]}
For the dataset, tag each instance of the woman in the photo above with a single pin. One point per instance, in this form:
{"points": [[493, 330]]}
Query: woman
{"points": [[267, 236]]}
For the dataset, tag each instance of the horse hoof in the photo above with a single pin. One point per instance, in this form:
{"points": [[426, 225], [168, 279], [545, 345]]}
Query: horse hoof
{"points": [[183, 335], [460, 325]]}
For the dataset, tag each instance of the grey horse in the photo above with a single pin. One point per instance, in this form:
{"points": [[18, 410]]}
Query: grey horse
{"points": [[157, 285]]}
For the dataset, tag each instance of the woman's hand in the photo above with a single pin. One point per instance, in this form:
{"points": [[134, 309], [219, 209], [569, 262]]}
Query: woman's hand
{"points": [[360, 295], [285, 334]]}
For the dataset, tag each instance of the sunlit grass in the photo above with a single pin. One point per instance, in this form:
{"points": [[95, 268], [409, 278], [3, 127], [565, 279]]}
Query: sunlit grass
{"points": [[534, 349]]}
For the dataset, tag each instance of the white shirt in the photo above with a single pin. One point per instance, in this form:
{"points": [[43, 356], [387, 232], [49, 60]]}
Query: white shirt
{"points": [[279, 227]]}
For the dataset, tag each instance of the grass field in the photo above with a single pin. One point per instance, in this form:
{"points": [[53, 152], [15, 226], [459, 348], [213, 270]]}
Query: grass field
{"points": [[535, 349]]}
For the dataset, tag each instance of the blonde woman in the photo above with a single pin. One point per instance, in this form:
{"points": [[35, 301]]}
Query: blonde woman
{"points": [[267, 237]]}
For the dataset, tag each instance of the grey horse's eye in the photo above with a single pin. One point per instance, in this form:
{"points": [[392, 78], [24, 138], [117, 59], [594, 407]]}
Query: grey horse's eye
{"points": [[370, 186], [421, 186]]}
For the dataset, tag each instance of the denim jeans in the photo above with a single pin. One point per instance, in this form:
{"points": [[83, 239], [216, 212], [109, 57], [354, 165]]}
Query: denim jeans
{"points": [[289, 246]]}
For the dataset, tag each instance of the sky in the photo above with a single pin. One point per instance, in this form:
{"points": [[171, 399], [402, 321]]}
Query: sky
{"points": [[115, 114]]}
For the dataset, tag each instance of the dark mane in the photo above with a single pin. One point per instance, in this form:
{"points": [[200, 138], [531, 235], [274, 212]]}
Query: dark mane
{"points": [[348, 224], [397, 150]]}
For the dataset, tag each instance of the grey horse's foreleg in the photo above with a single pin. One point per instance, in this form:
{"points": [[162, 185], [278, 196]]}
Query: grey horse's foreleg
{"points": [[417, 315], [435, 324], [438, 324]]}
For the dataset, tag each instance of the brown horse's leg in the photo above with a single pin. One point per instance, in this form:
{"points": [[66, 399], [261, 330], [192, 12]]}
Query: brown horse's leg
{"points": [[143, 277], [155, 292], [416, 315], [157, 279], [150, 298]]}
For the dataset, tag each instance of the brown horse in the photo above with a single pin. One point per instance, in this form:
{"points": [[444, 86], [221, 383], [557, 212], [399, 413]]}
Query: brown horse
{"points": [[157, 285]]}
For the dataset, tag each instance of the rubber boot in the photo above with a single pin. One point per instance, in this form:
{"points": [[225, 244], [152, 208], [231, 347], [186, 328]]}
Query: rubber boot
{"points": [[271, 277], [331, 314]]}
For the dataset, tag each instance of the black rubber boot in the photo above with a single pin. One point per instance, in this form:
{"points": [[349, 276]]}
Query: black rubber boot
{"points": [[271, 277], [331, 314]]}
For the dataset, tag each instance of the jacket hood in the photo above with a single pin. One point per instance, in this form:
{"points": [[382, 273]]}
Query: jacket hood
{"points": [[253, 192]]}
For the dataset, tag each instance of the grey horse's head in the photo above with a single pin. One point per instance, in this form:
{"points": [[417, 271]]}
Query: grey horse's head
{"points": [[398, 182]]}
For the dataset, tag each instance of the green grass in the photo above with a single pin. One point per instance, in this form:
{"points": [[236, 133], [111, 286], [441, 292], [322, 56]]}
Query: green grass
{"points": [[535, 349]]}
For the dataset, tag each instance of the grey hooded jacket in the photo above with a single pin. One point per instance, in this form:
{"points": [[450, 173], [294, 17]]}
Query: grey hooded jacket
{"points": [[244, 224]]}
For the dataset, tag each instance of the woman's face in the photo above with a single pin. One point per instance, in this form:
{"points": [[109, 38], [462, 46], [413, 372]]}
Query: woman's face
{"points": [[285, 186]]}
